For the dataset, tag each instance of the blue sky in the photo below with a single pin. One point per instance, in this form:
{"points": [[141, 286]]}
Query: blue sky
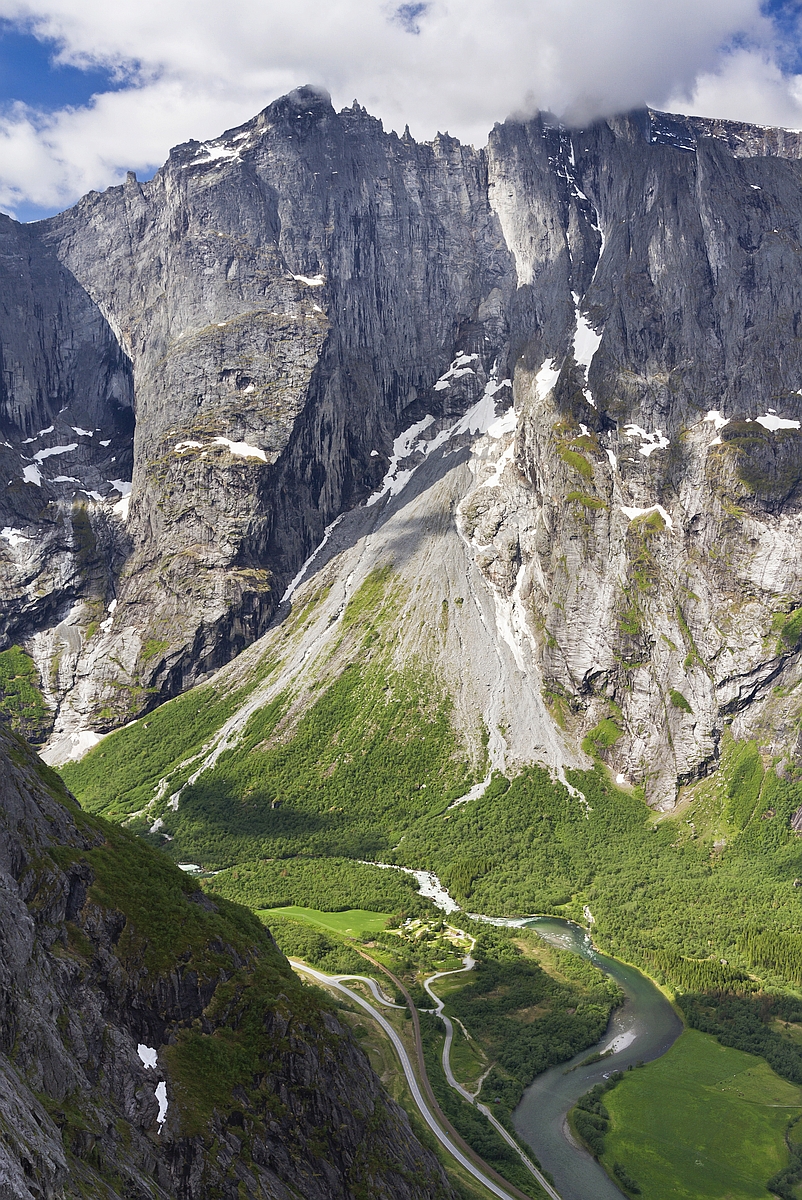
{"points": [[89, 89], [27, 73]]}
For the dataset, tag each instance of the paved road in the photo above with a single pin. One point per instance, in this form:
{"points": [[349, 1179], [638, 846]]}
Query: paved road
{"points": [[471, 1097], [400, 1049], [468, 965]]}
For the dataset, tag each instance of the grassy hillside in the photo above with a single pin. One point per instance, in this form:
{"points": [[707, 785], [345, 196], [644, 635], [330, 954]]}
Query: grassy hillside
{"points": [[365, 764]]}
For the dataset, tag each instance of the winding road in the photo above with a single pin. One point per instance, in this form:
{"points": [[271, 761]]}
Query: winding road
{"points": [[334, 981], [471, 1097]]}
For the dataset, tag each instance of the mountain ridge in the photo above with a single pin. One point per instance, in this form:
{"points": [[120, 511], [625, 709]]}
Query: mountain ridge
{"points": [[289, 298]]}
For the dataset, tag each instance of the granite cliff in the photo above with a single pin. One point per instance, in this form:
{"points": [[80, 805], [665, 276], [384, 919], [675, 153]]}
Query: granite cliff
{"points": [[586, 340]]}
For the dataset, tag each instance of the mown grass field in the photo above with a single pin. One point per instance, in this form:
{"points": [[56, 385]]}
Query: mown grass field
{"points": [[704, 1122], [354, 922]]}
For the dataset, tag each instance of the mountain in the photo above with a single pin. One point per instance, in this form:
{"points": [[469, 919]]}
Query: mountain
{"points": [[155, 1043], [564, 373]]}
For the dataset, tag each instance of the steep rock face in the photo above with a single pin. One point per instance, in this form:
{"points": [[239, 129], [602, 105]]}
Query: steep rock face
{"points": [[284, 294], [66, 415], [663, 513], [291, 295], [106, 947]]}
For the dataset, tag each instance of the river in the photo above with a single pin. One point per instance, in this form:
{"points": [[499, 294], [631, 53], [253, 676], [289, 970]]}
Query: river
{"points": [[641, 1029]]}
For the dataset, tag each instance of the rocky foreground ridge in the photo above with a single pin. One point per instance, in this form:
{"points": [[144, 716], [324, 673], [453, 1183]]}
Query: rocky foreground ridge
{"points": [[155, 1044], [242, 341]]}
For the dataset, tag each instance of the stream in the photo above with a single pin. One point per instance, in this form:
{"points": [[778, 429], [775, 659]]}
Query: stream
{"points": [[642, 1028]]}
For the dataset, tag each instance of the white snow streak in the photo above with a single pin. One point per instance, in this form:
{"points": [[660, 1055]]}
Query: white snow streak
{"points": [[41, 433], [311, 280], [406, 444], [546, 378], [460, 366], [586, 343], [161, 1096], [300, 576], [32, 474]]}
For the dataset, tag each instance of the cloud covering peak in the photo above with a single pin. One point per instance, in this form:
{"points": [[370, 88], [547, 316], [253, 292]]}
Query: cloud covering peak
{"points": [[190, 68]]}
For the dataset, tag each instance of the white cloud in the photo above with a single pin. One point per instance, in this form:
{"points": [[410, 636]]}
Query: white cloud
{"points": [[194, 67], [747, 86]]}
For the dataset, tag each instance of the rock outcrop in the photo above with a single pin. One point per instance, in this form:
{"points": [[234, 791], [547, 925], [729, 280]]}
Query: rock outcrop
{"points": [[277, 305], [155, 1043]]}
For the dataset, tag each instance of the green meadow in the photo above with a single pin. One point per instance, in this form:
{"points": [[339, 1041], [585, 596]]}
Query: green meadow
{"points": [[354, 922], [704, 1122]]}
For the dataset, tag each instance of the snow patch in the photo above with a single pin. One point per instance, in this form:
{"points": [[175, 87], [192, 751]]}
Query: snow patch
{"points": [[773, 423], [81, 742], [148, 1055], [311, 280], [32, 474], [650, 441], [41, 433], [14, 537], [64, 479], [546, 378], [120, 509], [211, 152], [180, 447], [82, 432], [632, 513], [460, 366], [612, 458], [106, 443], [240, 449], [106, 624], [123, 486], [41, 455]]}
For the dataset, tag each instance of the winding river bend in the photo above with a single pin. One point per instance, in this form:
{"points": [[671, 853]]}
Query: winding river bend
{"points": [[643, 1028]]}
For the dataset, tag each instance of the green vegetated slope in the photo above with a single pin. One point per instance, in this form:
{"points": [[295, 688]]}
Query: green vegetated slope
{"points": [[240, 1029], [702, 1122], [330, 884], [347, 775], [22, 704], [366, 768]]}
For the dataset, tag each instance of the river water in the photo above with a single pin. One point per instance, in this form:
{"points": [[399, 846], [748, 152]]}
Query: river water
{"points": [[643, 1028]]}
